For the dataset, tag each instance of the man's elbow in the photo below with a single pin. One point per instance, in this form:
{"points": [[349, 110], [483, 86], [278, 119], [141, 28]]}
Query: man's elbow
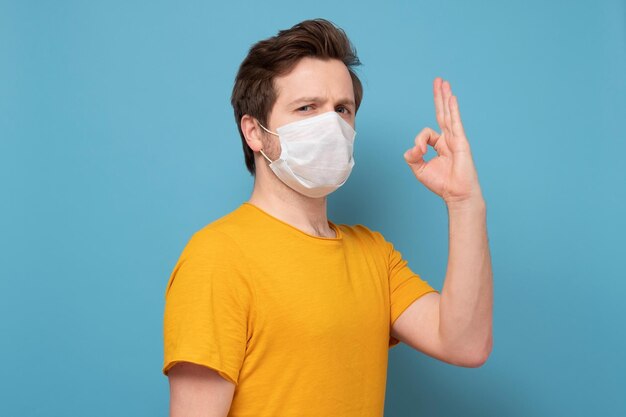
{"points": [[475, 358], [476, 362], [479, 358]]}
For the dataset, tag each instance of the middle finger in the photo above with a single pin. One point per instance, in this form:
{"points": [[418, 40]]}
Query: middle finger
{"points": [[439, 110], [447, 92]]}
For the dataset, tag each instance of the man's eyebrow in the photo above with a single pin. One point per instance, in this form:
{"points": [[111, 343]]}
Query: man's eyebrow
{"points": [[318, 99]]}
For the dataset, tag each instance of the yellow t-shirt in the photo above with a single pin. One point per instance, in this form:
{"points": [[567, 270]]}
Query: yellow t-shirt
{"points": [[300, 323]]}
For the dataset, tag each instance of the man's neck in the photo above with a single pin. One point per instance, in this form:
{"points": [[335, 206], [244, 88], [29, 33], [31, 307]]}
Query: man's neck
{"points": [[304, 213]]}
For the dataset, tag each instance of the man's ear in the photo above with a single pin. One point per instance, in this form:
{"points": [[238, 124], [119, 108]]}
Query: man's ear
{"points": [[252, 132]]}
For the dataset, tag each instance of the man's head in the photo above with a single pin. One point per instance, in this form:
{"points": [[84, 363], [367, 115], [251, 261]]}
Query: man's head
{"points": [[301, 72]]}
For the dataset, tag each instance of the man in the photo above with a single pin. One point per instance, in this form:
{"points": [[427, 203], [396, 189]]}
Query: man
{"points": [[274, 310]]}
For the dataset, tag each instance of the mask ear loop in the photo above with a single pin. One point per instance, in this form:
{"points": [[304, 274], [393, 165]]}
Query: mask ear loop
{"points": [[271, 133]]}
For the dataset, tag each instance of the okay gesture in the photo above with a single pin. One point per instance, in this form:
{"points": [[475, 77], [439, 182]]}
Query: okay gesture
{"points": [[451, 174]]}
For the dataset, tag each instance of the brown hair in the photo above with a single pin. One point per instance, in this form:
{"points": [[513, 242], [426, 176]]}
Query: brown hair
{"points": [[254, 93]]}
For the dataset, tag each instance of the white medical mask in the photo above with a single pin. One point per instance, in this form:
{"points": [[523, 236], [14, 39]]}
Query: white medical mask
{"points": [[316, 154]]}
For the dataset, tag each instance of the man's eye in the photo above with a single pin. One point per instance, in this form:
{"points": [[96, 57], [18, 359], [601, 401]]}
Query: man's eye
{"points": [[304, 108], [345, 110]]}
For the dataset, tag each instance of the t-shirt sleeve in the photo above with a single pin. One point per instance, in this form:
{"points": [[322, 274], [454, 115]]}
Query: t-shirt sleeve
{"points": [[207, 306], [405, 286]]}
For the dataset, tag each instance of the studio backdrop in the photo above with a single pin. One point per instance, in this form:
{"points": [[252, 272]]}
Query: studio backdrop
{"points": [[118, 142]]}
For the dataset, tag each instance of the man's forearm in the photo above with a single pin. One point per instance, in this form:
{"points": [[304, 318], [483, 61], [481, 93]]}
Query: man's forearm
{"points": [[466, 305]]}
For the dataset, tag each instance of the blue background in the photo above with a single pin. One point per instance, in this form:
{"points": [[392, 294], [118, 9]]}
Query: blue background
{"points": [[117, 143]]}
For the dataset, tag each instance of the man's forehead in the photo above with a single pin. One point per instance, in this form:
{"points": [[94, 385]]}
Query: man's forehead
{"points": [[316, 80]]}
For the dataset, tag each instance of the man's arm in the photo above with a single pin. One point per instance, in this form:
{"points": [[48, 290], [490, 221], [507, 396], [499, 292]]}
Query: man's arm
{"points": [[198, 391], [456, 326]]}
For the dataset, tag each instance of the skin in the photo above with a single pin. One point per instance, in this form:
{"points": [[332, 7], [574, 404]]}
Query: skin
{"points": [[198, 391], [454, 326]]}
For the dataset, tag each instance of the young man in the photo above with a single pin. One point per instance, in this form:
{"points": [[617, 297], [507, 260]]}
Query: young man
{"points": [[274, 310]]}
